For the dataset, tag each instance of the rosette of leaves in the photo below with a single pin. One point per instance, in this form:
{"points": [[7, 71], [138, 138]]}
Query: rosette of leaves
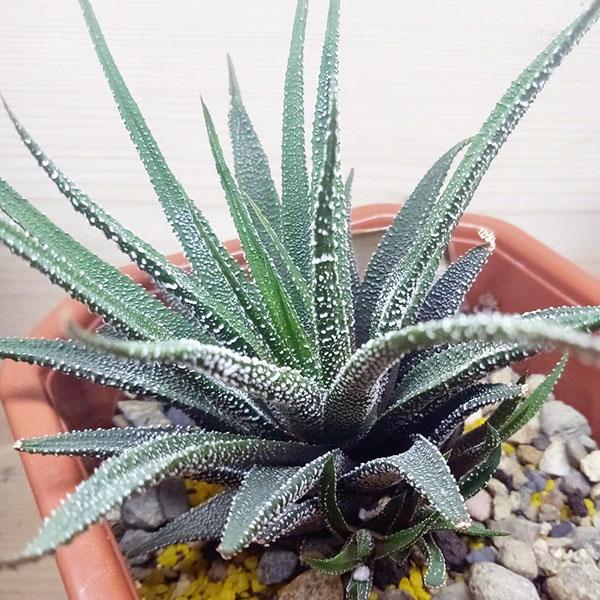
{"points": [[323, 401]]}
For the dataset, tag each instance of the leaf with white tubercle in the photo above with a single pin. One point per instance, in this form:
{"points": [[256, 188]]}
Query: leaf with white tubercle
{"points": [[295, 209], [333, 310], [251, 164], [446, 295], [276, 286], [222, 278], [100, 285], [294, 397], [206, 400], [461, 364], [461, 405], [477, 479], [263, 497], [358, 547], [100, 443], [399, 236], [424, 468], [435, 571], [473, 449], [202, 523], [225, 325], [350, 391], [296, 518], [360, 584], [332, 514], [134, 469], [433, 237]]}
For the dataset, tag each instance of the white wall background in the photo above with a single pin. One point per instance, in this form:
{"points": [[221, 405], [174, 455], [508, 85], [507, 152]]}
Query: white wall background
{"points": [[416, 77]]}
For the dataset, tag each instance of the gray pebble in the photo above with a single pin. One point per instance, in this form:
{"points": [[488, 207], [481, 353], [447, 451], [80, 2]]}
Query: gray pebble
{"points": [[456, 591], [541, 441], [560, 419], [575, 481], [587, 538], [485, 554], [555, 460], [518, 557], [143, 412], [536, 480], [178, 417], [173, 498], [575, 583], [143, 510], [277, 566], [131, 539], [562, 529], [490, 581]]}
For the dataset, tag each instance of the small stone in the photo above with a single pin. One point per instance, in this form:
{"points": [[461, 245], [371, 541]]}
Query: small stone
{"points": [[595, 492], [120, 421], [588, 442], [501, 507], [490, 581], [504, 478], [576, 451], [456, 591], [454, 549], [313, 584], [536, 480], [562, 529], [480, 506], [389, 572], [554, 459], [575, 481], [525, 435], [529, 455], [547, 563], [276, 566], [561, 420], [143, 412], [576, 504], [575, 583], [587, 538], [519, 558], [130, 540], [485, 554], [590, 466], [217, 570], [519, 528], [173, 498], [533, 381], [319, 547], [541, 441], [548, 513], [143, 510], [139, 573], [183, 583], [496, 488]]}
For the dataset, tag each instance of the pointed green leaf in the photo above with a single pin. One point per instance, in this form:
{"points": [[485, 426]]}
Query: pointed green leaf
{"points": [[262, 498], [202, 523], [358, 548], [333, 308], [294, 347], [417, 269], [296, 518], [435, 572], [399, 236], [118, 477], [350, 393], [461, 405], [424, 468], [293, 396], [446, 295], [295, 206], [472, 449], [100, 443], [403, 539], [334, 519], [203, 399], [218, 272], [477, 479], [216, 319], [251, 164]]}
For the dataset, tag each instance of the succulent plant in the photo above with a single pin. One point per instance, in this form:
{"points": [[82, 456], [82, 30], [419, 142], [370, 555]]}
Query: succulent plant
{"points": [[322, 401]]}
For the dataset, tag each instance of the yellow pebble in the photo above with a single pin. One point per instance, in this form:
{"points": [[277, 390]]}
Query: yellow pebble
{"points": [[508, 448], [469, 426], [476, 545], [550, 485], [565, 513], [373, 596], [536, 499], [591, 507]]}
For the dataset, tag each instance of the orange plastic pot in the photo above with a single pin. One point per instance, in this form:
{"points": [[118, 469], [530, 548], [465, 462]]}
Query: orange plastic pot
{"points": [[522, 275]]}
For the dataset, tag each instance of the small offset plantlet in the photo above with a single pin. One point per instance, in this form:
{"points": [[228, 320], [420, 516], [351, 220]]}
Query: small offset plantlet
{"points": [[322, 401]]}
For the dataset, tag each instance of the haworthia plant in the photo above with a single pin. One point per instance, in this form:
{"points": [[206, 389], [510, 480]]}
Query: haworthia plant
{"points": [[314, 393]]}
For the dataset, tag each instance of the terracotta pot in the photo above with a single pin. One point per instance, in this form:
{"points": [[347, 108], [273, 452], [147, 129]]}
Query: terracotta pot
{"points": [[522, 275]]}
